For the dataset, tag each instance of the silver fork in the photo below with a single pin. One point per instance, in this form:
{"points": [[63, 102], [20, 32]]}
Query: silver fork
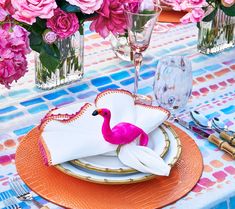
{"points": [[11, 203], [22, 193]]}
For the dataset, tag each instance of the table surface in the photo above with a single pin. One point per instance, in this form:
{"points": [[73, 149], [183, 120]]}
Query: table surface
{"points": [[22, 107]]}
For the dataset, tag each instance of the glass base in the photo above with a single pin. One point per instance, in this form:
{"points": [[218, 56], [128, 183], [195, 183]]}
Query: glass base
{"points": [[142, 99]]}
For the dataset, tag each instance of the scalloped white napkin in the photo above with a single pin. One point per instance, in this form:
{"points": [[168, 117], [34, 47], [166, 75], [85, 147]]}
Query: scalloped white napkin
{"points": [[75, 134]]}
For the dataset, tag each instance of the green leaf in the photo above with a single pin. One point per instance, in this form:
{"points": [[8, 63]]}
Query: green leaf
{"points": [[230, 11], [70, 8], [50, 57], [36, 41], [211, 16], [48, 61]]}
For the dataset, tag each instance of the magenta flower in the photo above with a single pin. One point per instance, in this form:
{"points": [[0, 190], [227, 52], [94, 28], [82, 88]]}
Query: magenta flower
{"points": [[14, 45], [27, 10], [3, 14], [63, 24], [87, 7], [110, 18], [195, 15]]}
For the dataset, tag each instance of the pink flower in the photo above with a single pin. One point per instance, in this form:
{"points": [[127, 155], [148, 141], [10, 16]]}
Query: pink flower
{"points": [[87, 6], [228, 3], [27, 10], [110, 18], [49, 36], [7, 6], [14, 45], [197, 3], [3, 14], [63, 24], [195, 15]]}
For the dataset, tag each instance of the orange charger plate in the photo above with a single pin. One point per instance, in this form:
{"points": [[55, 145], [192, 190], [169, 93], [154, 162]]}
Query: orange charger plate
{"points": [[70, 192]]}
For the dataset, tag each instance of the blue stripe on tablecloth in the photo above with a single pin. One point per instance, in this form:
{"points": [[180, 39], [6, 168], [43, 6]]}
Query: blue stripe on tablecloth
{"points": [[19, 93], [198, 72], [63, 101], [86, 95], [213, 67], [222, 205], [147, 75], [112, 86], [24, 130], [78, 88], [127, 81], [37, 109], [55, 94], [7, 109], [232, 202], [228, 110], [10, 117], [101, 81], [145, 90], [32, 102], [120, 75]]}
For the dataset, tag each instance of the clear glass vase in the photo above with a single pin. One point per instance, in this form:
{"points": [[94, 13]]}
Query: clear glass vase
{"points": [[121, 47], [216, 35], [70, 68]]}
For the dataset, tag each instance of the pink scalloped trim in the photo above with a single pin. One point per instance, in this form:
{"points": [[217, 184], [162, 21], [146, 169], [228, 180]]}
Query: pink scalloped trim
{"points": [[156, 108], [64, 118], [110, 91], [46, 156]]}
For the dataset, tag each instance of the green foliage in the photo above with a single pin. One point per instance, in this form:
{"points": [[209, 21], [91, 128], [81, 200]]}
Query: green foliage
{"points": [[50, 57], [230, 11], [211, 16]]}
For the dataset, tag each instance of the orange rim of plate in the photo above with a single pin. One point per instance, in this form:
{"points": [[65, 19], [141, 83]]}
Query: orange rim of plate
{"points": [[70, 192]]}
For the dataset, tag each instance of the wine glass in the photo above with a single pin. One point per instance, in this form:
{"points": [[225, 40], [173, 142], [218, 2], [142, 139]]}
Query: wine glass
{"points": [[173, 83], [141, 17]]}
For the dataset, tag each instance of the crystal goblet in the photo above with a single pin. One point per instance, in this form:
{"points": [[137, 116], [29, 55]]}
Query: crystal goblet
{"points": [[141, 17], [173, 83]]}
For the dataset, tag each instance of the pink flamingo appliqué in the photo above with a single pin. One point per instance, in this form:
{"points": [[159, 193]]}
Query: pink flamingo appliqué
{"points": [[122, 133]]}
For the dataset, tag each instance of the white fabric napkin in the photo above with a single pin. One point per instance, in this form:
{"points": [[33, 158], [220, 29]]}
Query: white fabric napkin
{"points": [[72, 132]]}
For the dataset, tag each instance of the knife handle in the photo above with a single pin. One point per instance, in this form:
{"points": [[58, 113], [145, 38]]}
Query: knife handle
{"points": [[223, 145], [230, 138]]}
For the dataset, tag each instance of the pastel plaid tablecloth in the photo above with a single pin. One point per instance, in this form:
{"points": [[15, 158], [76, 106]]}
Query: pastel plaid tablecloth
{"points": [[22, 107]]}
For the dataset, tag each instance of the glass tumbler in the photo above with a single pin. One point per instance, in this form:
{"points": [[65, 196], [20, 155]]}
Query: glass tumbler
{"points": [[173, 83]]}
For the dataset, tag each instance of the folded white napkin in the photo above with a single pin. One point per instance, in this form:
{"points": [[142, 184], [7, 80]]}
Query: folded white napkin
{"points": [[143, 159], [72, 132]]}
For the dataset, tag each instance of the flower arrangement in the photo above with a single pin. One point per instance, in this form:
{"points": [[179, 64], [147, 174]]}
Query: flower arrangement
{"points": [[37, 25], [201, 9]]}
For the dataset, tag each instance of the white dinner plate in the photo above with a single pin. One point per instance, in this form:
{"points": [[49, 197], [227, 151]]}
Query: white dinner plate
{"points": [[158, 141], [108, 178]]}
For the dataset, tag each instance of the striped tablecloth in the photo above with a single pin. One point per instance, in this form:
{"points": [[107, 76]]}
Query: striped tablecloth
{"points": [[22, 107]]}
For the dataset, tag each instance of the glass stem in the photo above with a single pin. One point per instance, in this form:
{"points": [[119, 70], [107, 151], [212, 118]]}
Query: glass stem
{"points": [[137, 62]]}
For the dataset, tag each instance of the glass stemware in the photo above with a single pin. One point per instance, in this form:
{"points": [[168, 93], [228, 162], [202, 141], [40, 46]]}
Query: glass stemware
{"points": [[173, 83], [141, 17]]}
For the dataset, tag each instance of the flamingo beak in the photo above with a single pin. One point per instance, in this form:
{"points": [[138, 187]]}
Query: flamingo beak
{"points": [[96, 112]]}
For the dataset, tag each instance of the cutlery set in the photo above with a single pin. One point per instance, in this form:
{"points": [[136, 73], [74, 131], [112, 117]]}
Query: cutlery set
{"points": [[207, 129], [22, 193]]}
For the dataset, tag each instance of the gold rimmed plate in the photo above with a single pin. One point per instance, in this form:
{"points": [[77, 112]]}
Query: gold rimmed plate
{"points": [[158, 141], [170, 158]]}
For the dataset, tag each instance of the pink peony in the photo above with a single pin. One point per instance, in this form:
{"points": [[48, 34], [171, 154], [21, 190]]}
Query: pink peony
{"points": [[27, 10], [63, 24], [3, 14], [110, 18], [87, 7], [195, 15], [14, 45], [7, 7]]}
